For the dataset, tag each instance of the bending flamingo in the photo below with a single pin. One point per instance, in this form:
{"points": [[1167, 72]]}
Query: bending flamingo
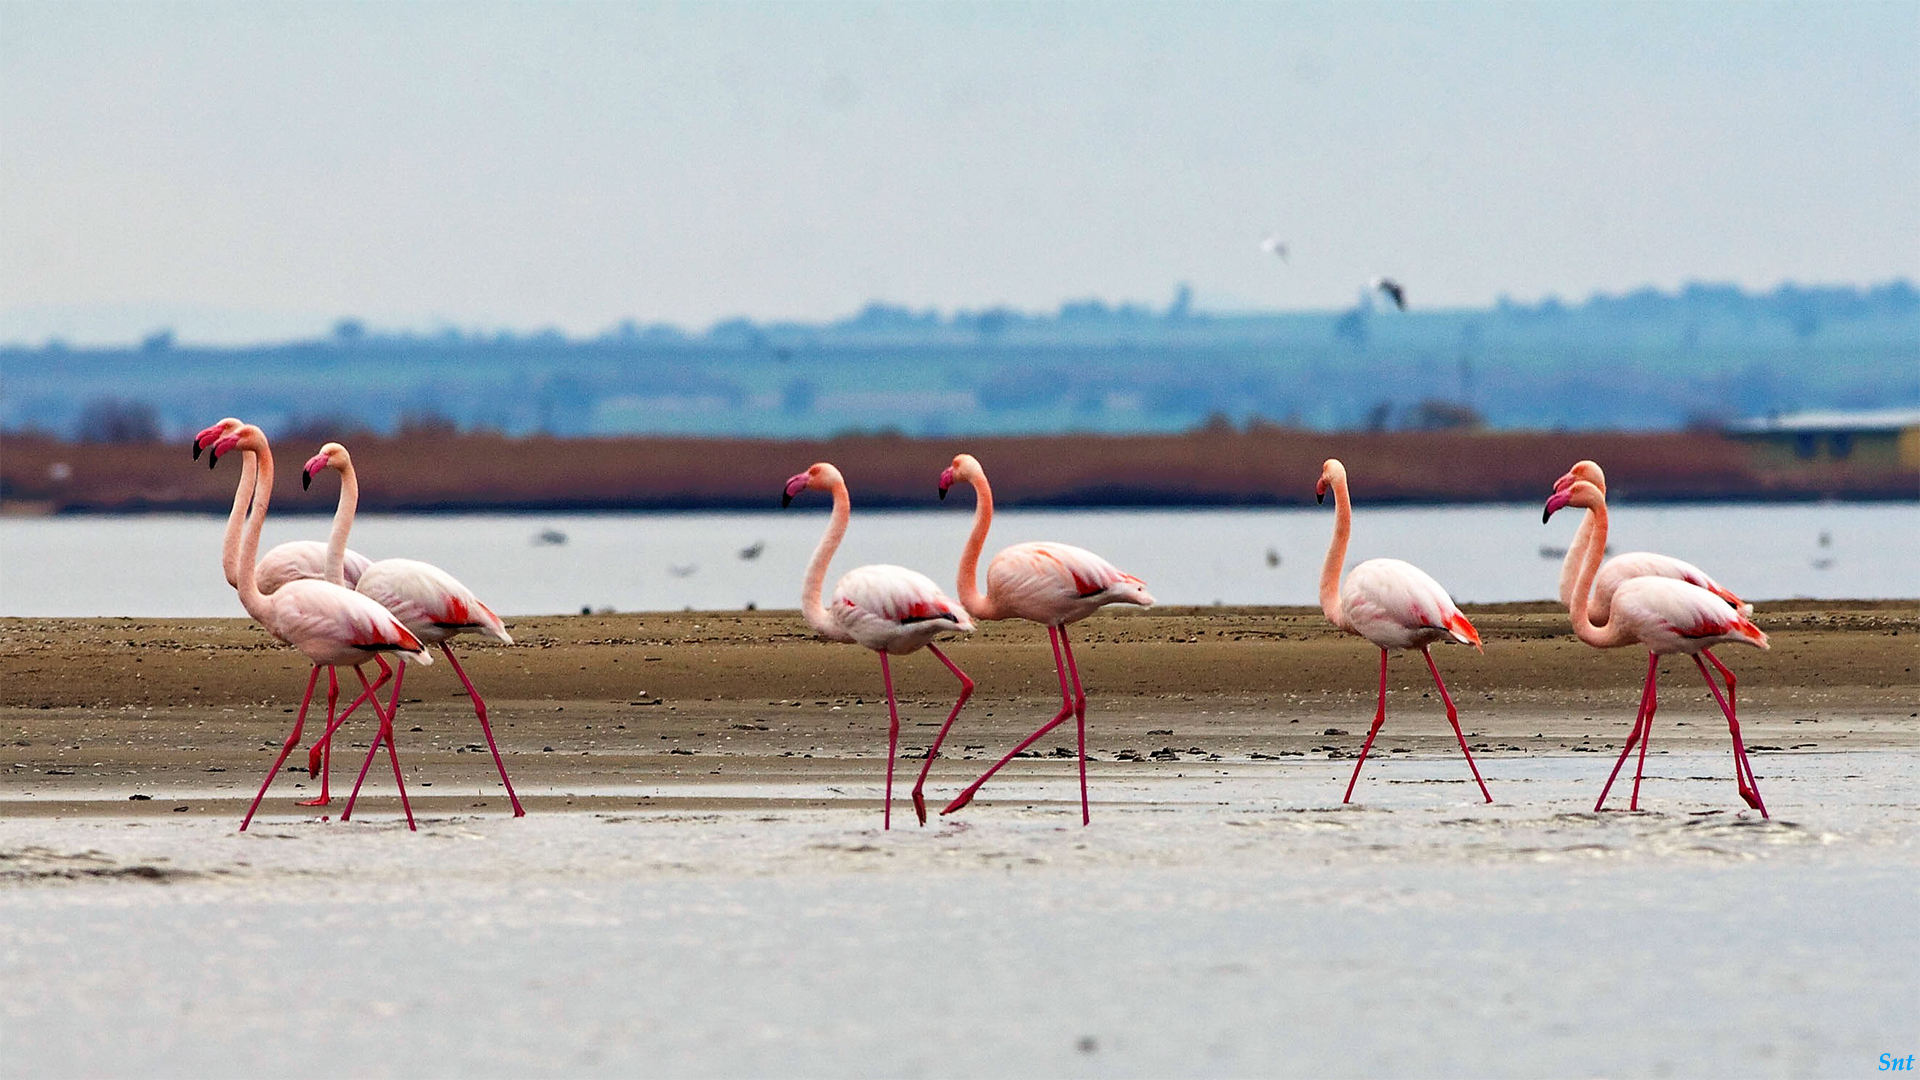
{"points": [[889, 609], [291, 561], [1393, 604], [1051, 584], [1666, 616], [329, 623], [426, 599]]}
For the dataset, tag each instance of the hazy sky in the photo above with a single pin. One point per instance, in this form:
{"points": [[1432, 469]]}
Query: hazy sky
{"points": [[262, 169]]}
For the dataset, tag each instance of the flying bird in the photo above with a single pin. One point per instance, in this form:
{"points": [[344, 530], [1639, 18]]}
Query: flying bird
{"points": [[1394, 290], [1273, 245]]}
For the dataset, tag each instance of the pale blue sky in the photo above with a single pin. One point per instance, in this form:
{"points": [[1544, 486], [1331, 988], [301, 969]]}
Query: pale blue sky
{"points": [[244, 170]]}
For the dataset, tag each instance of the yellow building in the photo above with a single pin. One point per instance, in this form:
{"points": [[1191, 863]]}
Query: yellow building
{"points": [[1878, 437]]}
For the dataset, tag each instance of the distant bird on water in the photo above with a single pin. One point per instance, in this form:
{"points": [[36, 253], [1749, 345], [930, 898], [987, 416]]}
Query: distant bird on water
{"points": [[1273, 245], [752, 551], [1394, 290], [1047, 583], [889, 609], [1391, 603], [1667, 616]]}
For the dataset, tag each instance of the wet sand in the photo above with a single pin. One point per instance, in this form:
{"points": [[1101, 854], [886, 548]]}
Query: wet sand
{"points": [[701, 886]]}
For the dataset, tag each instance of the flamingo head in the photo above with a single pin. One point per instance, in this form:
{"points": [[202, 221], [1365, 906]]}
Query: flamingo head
{"points": [[331, 456], [210, 435], [819, 476], [965, 467], [1581, 493], [244, 437], [1582, 470], [1332, 474]]}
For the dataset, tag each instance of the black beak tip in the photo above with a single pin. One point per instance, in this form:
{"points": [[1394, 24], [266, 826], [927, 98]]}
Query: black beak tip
{"points": [[1545, 513], [1320, 498], [943, 493], [306, 480], [213, 458], [196, 449], [786, 500]]}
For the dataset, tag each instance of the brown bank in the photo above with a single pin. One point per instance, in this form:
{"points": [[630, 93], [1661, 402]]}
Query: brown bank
{"points": [[748, 709]]}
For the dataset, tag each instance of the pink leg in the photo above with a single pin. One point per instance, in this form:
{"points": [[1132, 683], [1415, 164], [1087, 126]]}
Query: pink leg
{"points": [[293, 740], [1743, 769], [314, 755], [1379, 717], [966, 691], [1066, 710], [385, 734], [1080, 716], [1633, 736], [1453, 718], [325, 746], [1646, 737], [893, 740], [1740, 763], [480, 710], [1727, 674]]}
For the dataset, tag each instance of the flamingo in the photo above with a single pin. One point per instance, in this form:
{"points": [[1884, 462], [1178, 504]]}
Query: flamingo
{"points": [[426, 599], [1633, 564], [331, 624], [1393, 604], [286, 562], [1667, 616], [1048, 583], [889, 609]]}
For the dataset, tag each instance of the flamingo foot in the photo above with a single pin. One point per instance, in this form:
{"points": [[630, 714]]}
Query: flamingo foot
{"points": [[959, 801], [323, 800], [920, 805], [313, 760]]}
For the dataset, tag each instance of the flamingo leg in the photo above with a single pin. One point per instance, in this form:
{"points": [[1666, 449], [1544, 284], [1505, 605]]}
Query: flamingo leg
{"points": [[1646, 736], [1750, 793], [1379, 717], [1080, 718], [1743, 769], [1066, 710], [966, 691], [1727, 674], [893, 741], [325, 746], [1633, 735], [480, 710], [315, 753], [293, 740], [385, 734], [1453, 717]]}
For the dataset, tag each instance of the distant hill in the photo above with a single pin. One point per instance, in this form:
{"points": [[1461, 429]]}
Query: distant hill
{"points": [[1647, 360]]}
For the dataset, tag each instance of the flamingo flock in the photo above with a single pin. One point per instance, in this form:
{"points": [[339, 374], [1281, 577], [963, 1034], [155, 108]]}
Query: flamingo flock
{"points": [[339, 608]]}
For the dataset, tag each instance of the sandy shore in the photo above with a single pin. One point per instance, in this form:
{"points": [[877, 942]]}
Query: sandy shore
{"points": [[721, 901]]}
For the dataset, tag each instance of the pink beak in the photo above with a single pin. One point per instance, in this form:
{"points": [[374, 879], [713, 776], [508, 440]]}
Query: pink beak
{"points": [[1558, 501], [946, 480], [312, 469], [796, 484]]}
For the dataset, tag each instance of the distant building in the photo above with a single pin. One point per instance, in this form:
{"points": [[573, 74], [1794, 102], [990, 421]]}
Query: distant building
{"points": [[1879, 436]]}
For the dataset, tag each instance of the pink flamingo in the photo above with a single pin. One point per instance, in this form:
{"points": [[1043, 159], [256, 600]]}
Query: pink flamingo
{"points": [[1633, 564], [1051, 584], [329, 623], [291, 561], [889, 609], [1393, 604], [426, 599], [1667, 616]]}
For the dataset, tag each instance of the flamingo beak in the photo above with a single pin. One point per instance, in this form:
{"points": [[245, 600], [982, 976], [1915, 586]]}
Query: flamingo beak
{"points": [[196, 448], [1320, 492], [946, 481], [224, 446], [795, 485], [1565, 482], [1558, 501], [311, 469]]}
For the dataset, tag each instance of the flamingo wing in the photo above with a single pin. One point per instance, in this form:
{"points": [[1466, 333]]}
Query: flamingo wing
{"points": [[894, 609], [1048, 582], [1397, 605], [301, 559], [1669, 615], [1635, 564], [334, 625], [431, 602]]}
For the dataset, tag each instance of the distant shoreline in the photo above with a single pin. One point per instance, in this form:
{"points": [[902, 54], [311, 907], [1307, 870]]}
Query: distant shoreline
{"points": [[1212, 469]]}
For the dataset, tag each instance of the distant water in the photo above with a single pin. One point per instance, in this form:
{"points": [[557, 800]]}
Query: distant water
{"points": [[168, 565]]}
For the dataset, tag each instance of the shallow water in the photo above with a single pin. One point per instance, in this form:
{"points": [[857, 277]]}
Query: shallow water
{"points": [[168, 565], [1245, 927]]}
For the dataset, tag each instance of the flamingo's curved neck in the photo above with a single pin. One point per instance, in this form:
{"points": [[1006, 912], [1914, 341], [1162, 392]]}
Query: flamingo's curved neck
{"points": [[1604, 637], [1576, 551], [342, 524], [813, 590], [977, 603], [249, 585], [1336, 554], [236, 521]]}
